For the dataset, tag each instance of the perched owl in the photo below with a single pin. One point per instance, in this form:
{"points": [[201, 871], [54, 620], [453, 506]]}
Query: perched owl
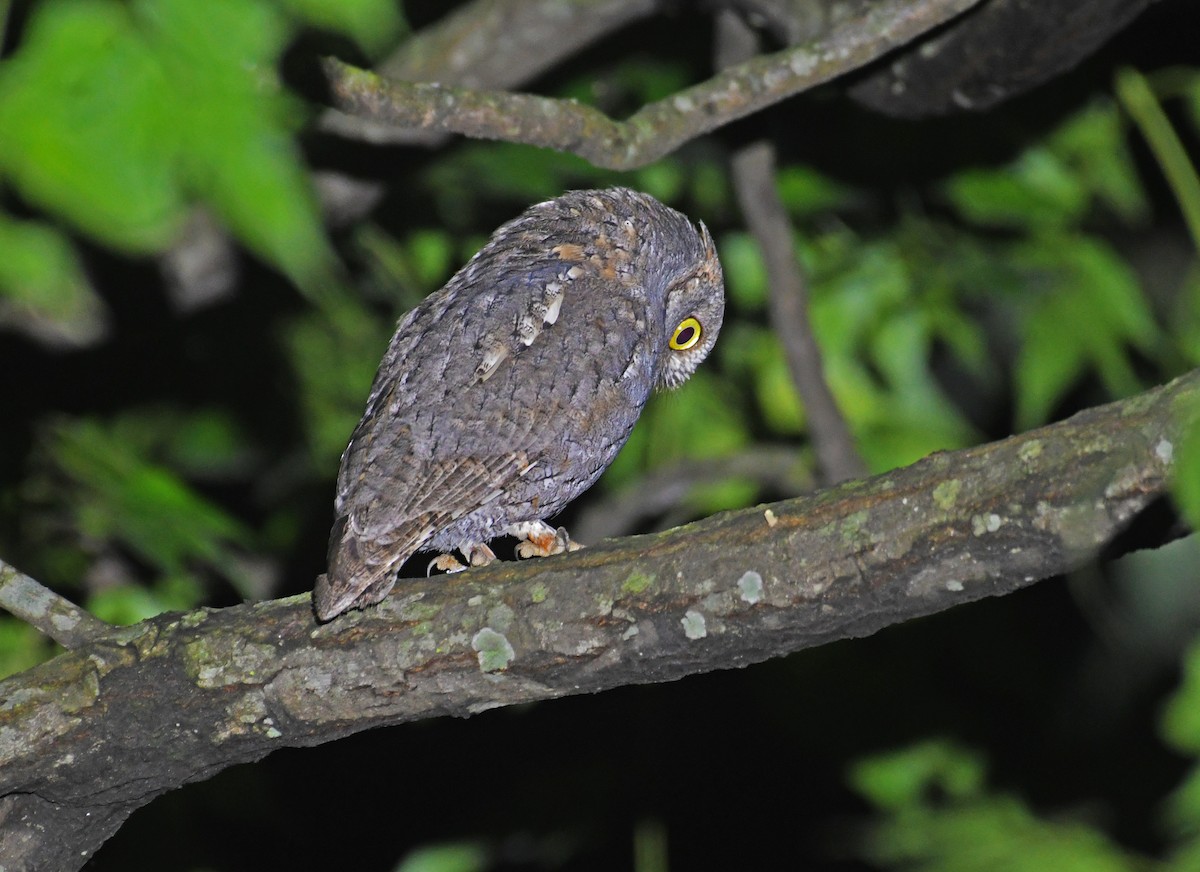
{"points": [[505, 394]]}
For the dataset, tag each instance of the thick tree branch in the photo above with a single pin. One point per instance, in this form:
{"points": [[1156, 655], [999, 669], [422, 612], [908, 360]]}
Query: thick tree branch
{"points": [[59, 618], [658, 128], [91, 735]]}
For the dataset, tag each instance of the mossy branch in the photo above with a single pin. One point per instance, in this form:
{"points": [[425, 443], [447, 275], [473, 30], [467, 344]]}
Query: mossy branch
{"points": [[656, 129], [90, 736], [37, 605]]}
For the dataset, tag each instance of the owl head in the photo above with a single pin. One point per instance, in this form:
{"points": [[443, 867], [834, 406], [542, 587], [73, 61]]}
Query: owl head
{"points": [[695, 307]]}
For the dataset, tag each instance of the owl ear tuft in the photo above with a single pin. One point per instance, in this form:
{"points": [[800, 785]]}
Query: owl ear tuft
{"points": [[710, 247]]}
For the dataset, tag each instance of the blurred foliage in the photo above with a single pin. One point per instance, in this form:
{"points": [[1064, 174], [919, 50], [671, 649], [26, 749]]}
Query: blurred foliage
{"points": [[101, 488], [994, 299], [934, 809], [118, 118], [1079, 308], [445, 858], [42, 288], [935, 814]]}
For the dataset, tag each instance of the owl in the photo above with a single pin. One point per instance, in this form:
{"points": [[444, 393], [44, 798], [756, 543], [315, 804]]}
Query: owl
{"points": [[505, 395]]}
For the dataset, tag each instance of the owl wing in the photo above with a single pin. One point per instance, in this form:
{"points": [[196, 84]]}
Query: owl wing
{"points": [[381, 528]]}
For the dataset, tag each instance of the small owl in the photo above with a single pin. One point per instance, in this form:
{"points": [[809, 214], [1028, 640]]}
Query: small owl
{"points": [[505, 394]]}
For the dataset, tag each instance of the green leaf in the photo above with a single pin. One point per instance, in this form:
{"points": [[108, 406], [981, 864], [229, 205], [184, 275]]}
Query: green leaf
{"points": [[234, 125], [1185, 486], [204, 443], [127, 603], [805, 191], [1053, 184], [1181, 717], [119, 496], [935, 815], [1095, 145], [1089, 311], [476, 173], [709, 188], [42, 288], [21, 646], [1037, 191], [1184, 321], [88, 120], [404, 272], [430, 254], [119, 116], [649, 80], [876, 325], [898, 779], [457, 857]]}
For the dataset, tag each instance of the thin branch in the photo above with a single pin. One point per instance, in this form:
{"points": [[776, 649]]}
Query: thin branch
{"points": [[98, 732], [755, 185], [496, 44], [37, 605], [656, 129]]}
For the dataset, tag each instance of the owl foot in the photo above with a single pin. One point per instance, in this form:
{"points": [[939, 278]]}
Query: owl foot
{"points": [[477, 554], [539, 539]]}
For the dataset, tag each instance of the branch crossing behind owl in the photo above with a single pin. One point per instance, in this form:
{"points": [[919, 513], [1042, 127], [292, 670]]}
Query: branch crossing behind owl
{"points": [[505, 395]]}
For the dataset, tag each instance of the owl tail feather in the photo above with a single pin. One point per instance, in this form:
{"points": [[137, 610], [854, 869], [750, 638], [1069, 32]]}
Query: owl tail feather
{"points": [[359, 574]]}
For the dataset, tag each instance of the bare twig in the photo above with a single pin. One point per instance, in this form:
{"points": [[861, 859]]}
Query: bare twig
{"points": [[59, 618], [754, 183], [658, 128]]}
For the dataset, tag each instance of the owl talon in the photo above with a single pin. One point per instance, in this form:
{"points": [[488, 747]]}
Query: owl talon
{"points": [[539, 539], [446, 563], [564, 542], [477, 554]]}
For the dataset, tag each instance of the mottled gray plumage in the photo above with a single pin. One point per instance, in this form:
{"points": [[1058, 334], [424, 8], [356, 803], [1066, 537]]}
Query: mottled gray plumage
{"points": [[505, 394]]}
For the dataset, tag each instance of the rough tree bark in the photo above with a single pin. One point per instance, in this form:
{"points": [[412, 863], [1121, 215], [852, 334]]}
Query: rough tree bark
{"points": [[97, 732]]}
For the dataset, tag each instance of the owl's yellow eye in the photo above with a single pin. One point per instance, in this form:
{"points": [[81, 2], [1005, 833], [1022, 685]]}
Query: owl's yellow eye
{"points": [[686, 335]]}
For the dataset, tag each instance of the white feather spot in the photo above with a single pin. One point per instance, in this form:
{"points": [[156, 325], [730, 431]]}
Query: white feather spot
{"points": [[492, 358], [574, 272], [528, 330], [552, 308]]}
